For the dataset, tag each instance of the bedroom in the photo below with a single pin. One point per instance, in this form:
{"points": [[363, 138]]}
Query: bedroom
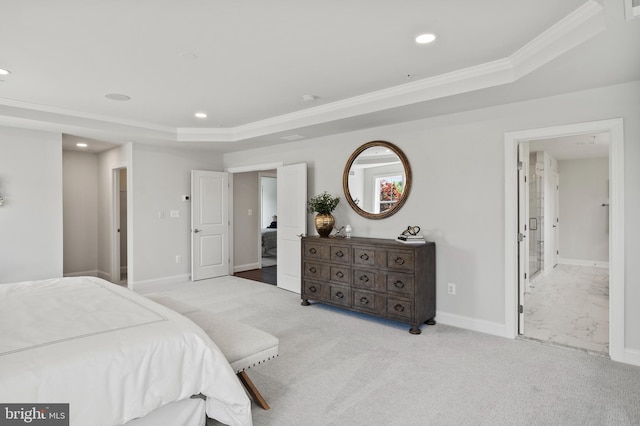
{"points": [[458, 198]]}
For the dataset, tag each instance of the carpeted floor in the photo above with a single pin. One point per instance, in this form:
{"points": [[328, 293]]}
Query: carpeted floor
{"points": [[341, 368]]}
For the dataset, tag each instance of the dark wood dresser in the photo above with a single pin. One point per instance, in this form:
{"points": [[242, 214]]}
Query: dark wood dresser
{"points": [[380, 277]]}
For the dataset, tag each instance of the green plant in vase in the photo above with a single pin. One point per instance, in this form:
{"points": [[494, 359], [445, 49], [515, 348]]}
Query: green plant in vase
{"points": [[323, 204]]}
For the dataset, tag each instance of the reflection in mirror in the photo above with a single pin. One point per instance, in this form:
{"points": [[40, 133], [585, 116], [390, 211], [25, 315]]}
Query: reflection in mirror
{"points": [[377, 179]]}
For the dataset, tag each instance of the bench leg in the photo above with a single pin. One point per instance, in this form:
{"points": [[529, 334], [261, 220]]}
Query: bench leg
{"points": [[253, 391]]}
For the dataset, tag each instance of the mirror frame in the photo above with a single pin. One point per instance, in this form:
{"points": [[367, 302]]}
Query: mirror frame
{"points": [[407, 183]]}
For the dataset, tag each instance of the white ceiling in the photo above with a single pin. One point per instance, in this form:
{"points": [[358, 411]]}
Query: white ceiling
{"points": [[248, 63], [574, 147]]}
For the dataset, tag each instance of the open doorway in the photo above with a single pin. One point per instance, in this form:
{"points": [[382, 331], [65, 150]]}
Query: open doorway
{"points": [[119, 268], [255, 225], [566, 301], [514, 231], [268, 219]]}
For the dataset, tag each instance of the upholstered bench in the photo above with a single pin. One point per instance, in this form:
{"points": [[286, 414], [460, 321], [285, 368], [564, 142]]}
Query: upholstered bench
{"points": [[243, 346]]}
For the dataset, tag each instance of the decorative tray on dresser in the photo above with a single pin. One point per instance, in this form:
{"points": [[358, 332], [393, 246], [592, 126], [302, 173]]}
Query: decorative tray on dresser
{"points": [[380, 277]]}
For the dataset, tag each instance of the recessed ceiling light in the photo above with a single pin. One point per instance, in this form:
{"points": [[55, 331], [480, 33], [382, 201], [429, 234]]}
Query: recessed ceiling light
{"points": [[4, 72], [201, 114], [82, 145], [425, 38], [117, 97]]}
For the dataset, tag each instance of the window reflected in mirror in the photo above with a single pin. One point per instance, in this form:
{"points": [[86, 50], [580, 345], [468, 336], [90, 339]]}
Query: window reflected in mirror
{"points": [[376, 180]]}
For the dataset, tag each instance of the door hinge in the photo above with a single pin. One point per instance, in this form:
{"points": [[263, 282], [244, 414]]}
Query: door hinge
{"points": [[520, 309], [520, 237], [525, 275], [520, 165]]}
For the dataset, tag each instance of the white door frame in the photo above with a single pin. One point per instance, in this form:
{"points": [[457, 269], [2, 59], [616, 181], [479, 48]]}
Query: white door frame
{"points": [[616, 223], [242, 169]]}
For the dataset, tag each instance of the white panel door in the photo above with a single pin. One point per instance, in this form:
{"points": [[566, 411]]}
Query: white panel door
{"points": [[209, 224], [292, 222]]}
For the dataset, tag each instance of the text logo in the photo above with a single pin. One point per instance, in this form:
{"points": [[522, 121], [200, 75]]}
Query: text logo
{"points": [[34, 414]]}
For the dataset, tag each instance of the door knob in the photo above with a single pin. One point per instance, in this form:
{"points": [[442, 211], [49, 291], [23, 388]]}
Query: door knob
{"points": [[196, 230]]}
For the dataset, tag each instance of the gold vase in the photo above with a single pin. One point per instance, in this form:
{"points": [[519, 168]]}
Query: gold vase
{"points": [[324, 224]]}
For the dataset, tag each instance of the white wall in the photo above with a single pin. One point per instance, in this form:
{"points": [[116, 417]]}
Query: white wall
{"points": [[31, 218], [584, 222], [160, 177], [80, 212], [458, 191]]}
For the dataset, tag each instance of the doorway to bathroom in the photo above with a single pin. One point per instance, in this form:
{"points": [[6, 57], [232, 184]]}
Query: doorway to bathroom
{"points": [[566, 297]]}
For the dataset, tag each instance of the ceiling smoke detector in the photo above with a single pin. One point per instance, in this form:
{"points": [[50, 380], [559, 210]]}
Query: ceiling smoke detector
{"points": [[309, 98]]}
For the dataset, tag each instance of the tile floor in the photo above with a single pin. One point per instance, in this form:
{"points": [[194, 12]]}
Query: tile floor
{"points": [[570, 306]]}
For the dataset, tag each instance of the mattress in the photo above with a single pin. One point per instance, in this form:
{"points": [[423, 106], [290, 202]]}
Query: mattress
{"points": [[110, 353]]}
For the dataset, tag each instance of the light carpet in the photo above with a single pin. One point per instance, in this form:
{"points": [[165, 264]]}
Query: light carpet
{"points": [[342, 368]]}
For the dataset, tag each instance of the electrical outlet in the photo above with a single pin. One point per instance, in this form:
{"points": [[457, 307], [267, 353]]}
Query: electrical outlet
{"points": [[451, 289], [178, 259]]}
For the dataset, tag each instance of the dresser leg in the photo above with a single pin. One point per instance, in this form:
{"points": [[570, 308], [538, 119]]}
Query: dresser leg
{"points": [[430, 321], [305, 302], [415, 330]]}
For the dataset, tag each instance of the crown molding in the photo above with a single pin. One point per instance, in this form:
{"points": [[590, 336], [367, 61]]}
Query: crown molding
{"points": [[577, 27]]}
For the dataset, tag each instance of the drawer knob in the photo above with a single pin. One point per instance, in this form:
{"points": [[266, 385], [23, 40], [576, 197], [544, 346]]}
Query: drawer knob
{"points": [[339, 274], [364, 256], [340, 295], [312, 250], [364, 279], [339, 253], [399, 261], [364, 301], [313, 270], [399, 284], [313, 289], [398, 308]]}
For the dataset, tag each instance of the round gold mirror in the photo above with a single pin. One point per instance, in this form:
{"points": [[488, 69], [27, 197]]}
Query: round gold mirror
{"points": [[377, 179]]}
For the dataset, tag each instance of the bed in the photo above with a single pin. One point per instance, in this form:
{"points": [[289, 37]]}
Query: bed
{"points": [[113, 355], [269, 242]]}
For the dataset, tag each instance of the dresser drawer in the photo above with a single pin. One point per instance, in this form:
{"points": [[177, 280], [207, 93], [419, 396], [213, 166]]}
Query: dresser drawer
{"points": [[368, 256], [364, 278], [340, 274], [340, 295], [313, 290], [340, 254], [367, 301], [400, 259], [370, 279], [403, 284], [316, 271], [399, 308], [313, 250]]}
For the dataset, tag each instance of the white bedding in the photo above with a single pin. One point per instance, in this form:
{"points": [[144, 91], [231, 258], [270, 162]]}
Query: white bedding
{"points": [[109, 352]]}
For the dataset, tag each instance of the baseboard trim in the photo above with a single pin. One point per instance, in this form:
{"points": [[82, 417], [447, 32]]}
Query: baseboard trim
{"points": [[474, 324], [156, 284], [579, 262], [632, 356], [93, 273], [247, 267]]}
